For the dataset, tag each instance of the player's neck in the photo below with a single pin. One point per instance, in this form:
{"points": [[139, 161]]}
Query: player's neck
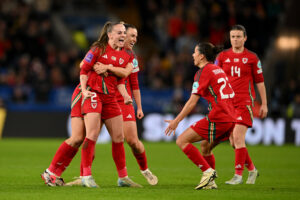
{"points": [[202, 64], [238, 50], [113, 46]]}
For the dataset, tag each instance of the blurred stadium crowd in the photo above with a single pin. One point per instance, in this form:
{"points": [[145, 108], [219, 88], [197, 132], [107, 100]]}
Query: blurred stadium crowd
{"points": [[33, 60]]}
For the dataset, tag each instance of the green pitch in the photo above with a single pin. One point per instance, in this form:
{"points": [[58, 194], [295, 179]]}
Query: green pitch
{"points": [[22, 161]]}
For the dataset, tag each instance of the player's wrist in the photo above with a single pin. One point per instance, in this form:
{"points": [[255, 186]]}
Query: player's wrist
{"points": [[108, 67]]}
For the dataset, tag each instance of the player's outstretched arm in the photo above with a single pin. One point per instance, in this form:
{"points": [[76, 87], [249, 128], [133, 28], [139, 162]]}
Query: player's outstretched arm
{"points": [[188, 107]]}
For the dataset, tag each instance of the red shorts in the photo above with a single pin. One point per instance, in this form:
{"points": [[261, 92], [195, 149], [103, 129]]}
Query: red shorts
{"points": [[102, 103], [110, 107], [244, 115], [127, 111], [76, 103], [213, 131]]}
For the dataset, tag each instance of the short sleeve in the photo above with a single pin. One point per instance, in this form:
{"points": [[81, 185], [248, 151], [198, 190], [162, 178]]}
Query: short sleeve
{"points": [[134, 81], [201, 82], [89, 60], [218, 60], [121, 81], [135, 64], [257, 71]]}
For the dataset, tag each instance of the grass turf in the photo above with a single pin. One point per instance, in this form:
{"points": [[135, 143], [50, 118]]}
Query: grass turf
{"points": [[22, 161]]}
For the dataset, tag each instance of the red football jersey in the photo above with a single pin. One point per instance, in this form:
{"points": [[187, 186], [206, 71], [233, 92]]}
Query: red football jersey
{"points": [[211, 83], [242, 70], [106, 85], [131, 82]]}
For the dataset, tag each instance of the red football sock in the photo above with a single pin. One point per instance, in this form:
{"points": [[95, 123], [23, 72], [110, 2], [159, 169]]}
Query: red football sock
{"points": [[240, 157], [195, 156], [210, 160], [248, 162], [68, 157], [81, 167], [118, 153], [87, 153], [142, 160], [61, 157]]}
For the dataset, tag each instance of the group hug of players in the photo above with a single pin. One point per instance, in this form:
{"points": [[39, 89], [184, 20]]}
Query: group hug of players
{"points": [[108, 81]]}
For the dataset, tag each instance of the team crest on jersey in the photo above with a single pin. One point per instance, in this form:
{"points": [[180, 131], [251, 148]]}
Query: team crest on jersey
{"points": [[244, 60], [114, 58], [94, 105], [121, 61]]}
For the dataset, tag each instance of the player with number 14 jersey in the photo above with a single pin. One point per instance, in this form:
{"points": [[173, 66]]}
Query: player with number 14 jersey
{"points": [[242, 69]]}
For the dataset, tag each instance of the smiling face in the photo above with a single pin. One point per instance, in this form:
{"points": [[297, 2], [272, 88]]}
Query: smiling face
{"points": [[131, 38], [237, 39], [117, 36]]}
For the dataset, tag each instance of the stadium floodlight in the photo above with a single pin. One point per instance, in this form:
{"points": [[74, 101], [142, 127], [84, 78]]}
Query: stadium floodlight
{"points": [[288, 42]]}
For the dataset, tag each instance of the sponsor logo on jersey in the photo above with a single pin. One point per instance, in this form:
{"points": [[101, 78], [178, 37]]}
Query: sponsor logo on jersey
{"points": [[105, 56], [227, 60], [114, 58], [89, 57], [240, 118], [94, 105], [121, 61], [236, 60], [244, 60], [195, 87], [129, 116]]}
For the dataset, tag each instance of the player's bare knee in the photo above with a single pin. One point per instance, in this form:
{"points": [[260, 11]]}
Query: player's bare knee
{"points": [[118, 138], [78, 141], [180, 143], [133, 143], [239, 142], [206, 150]]}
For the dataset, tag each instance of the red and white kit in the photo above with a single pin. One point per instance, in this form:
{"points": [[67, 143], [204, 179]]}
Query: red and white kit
{"points": [[104, 88], [211, 83], [243, 70], [131, 83]]}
